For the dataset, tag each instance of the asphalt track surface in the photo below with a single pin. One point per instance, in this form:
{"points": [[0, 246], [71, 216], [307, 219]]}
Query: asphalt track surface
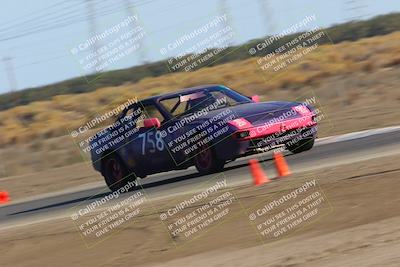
{"points": [[327, 153]]}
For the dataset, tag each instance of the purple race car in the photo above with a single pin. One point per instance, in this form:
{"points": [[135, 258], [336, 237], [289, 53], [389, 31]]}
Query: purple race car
{"points": [[205, 126]]}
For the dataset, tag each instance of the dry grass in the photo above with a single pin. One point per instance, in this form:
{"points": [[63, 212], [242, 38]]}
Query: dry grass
{"points": [[53, 118], [355, 82]]}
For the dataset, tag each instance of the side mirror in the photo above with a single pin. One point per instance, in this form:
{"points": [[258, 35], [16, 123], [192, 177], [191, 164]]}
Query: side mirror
{"points": [[151, 122], [255, 98]]}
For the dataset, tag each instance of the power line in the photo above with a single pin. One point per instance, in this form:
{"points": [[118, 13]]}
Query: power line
{"points": [[68, 55], [42, 18], [356, 9], [96, 14], [36, 12], [64, 22], [41, 61], [52, 17]]}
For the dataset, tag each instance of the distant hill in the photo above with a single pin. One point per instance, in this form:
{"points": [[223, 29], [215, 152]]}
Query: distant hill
{"points": [[350, 31]]}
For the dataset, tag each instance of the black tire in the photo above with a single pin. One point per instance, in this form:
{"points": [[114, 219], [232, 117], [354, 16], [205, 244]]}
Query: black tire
{"points": [[115, 173], [301, 146], [207, 162]]}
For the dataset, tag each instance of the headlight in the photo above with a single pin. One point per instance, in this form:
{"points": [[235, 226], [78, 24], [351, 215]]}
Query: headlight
{"points": [[243, 134]]}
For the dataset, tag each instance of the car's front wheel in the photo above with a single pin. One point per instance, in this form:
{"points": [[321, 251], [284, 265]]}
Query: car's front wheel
{"points": [[115, 173], [301, 146], [206, 161]]}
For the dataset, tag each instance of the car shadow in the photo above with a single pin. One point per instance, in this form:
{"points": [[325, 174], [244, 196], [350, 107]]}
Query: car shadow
{"points": [[172, 180]]}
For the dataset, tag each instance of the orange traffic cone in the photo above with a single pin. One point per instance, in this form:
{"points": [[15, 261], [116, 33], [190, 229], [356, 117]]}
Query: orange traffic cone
{"points": [[4, 197], [259, 176], [282, 167]]}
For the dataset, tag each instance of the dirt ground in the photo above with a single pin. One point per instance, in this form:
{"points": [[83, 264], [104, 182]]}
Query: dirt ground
{"points": [[358, 223], [52, 180]]}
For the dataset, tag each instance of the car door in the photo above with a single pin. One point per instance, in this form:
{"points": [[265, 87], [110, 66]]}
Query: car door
{"points": [[154, 156]]}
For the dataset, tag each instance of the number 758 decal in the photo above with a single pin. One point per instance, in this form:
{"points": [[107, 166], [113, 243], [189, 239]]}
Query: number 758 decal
{"points": [[153, 141]]}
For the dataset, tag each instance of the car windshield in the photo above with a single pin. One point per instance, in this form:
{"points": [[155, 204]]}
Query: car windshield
{"points": [[207, 99]]}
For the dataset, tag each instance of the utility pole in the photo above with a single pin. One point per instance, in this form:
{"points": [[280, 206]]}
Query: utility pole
{"points": [[224, 10], [267, 16], [142, 50], [355, 9], [91, 10], [9, 67]]}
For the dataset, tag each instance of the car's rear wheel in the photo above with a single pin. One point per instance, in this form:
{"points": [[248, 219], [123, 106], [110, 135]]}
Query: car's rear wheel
{"points": [[206, 161], [115, 173], [301, 146]]}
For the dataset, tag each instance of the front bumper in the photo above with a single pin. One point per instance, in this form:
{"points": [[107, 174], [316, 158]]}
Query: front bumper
{"points": [[270, 141], [267, 136], [251, 139]]}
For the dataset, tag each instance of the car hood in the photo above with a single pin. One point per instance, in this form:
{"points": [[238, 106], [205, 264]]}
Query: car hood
{"points": [[258, 113]]}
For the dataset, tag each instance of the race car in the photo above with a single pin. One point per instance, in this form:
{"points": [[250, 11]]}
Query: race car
{"points": [[205, 126]]}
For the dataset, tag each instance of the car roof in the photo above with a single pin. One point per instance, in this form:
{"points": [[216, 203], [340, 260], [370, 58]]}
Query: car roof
{"points": [[185, 90]]}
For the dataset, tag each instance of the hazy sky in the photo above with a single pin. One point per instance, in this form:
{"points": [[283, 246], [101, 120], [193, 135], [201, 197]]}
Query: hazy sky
{"points": [[42, 57]]}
